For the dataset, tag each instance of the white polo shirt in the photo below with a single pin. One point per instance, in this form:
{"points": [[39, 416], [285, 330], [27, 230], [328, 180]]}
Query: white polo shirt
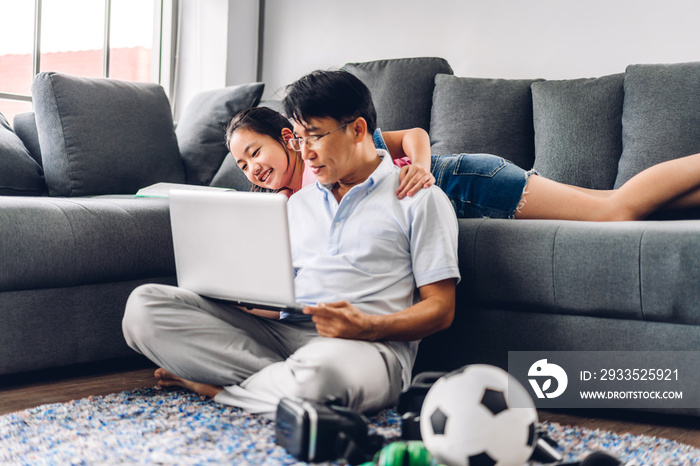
{"points": [[372, 249]]}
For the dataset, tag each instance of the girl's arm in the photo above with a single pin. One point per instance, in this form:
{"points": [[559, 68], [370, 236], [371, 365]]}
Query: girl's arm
{"points": [[415, 144]]}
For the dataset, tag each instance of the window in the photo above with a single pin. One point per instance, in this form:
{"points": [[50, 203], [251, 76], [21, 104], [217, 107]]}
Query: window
{"points": [[122, 39]]}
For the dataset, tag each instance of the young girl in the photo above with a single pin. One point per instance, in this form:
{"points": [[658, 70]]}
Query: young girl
{"points": [[479, 185]]}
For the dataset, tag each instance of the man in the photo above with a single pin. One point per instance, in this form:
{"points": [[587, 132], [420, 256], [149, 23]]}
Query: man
{"points": [[360, 254]]}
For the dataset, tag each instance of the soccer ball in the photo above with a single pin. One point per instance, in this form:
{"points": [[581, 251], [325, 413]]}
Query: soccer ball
{"points": [[467, 420]]}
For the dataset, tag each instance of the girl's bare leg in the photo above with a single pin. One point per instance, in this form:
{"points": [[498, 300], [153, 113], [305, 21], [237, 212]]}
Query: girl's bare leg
{"points": [[594, 192], [547, 199], [168, 379], [690, 199], [671, 184]]}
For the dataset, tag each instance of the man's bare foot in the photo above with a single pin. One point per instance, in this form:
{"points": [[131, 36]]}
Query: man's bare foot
{"points": [[168, 379]]}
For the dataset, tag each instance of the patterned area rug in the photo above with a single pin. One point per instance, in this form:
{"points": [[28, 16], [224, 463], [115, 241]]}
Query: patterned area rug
{"points": [[178, 427]]}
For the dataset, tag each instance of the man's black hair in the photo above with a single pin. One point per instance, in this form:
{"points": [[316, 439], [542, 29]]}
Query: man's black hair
{"points": [[336, 94]]}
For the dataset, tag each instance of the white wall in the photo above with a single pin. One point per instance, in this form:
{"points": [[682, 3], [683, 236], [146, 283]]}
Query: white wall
{"points": [[218, 46], [551, 39], [242, 54], [201, 60]]}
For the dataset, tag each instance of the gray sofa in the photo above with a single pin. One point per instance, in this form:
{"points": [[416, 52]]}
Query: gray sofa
{"points": [[74, 240], [69, 259], [560, 285]]}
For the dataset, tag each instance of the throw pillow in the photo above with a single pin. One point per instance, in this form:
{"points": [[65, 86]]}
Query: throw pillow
{"points": [[25, 127], [104, 136], [275, 105], [202, 127], [578, 130], [230, 176], [660, 116], [402, 89], [20, 175], [493, 116]]}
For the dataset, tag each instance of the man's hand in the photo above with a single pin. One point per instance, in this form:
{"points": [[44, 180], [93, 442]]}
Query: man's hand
{"points": [[413, 178], [433, 313], [341, 320]]}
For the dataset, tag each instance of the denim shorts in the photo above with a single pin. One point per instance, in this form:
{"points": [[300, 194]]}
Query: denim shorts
{"points": [[480, 185]]}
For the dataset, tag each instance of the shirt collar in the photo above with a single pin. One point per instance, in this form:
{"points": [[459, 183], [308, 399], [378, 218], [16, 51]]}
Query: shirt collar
{"points": [[383, 170]]}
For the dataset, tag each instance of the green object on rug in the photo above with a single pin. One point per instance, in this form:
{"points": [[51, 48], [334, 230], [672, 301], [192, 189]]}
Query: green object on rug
{"points": [[179, 427]]}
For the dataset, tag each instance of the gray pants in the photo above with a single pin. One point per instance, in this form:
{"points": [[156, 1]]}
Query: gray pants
{"points": [[258, 361]]}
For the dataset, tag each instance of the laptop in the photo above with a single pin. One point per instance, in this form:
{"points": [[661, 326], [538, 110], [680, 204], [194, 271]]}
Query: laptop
{"points": [[234, 246]]}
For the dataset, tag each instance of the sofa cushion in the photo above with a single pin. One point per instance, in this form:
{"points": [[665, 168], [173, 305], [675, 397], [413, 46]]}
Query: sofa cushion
{"points": [[20, 175], [51, 242], [273, 104], [620, 270], [231, 176], [661, 116], [24, 125], [578, 130], [65, 325], [104, 136], [202, 127], [402, 89], [494, 116]]}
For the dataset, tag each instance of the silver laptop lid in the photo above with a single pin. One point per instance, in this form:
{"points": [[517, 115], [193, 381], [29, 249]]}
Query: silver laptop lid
{"points": [[234, 246]]}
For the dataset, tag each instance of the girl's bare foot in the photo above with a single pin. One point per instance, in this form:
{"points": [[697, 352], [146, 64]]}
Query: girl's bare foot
{"points": [[168, 379]]}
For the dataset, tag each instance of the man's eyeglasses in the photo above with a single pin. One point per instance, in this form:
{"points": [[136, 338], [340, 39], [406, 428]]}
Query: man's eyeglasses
{"points": [[312, 142]]}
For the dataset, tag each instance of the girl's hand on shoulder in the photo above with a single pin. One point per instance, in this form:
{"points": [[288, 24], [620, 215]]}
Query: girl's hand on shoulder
{"points": [[413, 178]]}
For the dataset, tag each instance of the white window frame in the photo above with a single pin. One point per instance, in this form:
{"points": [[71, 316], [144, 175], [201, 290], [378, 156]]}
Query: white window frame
{"points": [[165, 34]]}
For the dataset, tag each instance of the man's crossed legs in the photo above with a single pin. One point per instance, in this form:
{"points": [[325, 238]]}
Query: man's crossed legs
{"points": [[251, 362]]}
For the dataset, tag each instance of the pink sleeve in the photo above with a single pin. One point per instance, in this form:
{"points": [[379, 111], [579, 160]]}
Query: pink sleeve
{"points": [[307, 177], [402, 162]]}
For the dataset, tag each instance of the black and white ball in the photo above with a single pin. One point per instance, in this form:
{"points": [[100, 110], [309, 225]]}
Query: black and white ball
{"points": [[479, 415]]}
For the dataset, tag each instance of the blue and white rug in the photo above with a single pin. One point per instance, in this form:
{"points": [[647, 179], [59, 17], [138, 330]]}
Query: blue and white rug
{"points": [[178, 427]]}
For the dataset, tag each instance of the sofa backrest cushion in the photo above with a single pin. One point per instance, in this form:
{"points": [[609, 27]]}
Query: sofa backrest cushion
{"points": [[202, 127], [24, 125], [578, 130], [476, 115], [104, 136], [231, 176], [275, 105], [661, 116], [20, 175], [402, 89]]}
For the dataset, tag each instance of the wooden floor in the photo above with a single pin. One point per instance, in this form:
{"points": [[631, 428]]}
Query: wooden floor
{"points": [[59, 385]]}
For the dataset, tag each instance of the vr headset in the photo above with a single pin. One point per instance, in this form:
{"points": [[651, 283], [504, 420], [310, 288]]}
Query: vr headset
{"points": [[317, 432]]}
